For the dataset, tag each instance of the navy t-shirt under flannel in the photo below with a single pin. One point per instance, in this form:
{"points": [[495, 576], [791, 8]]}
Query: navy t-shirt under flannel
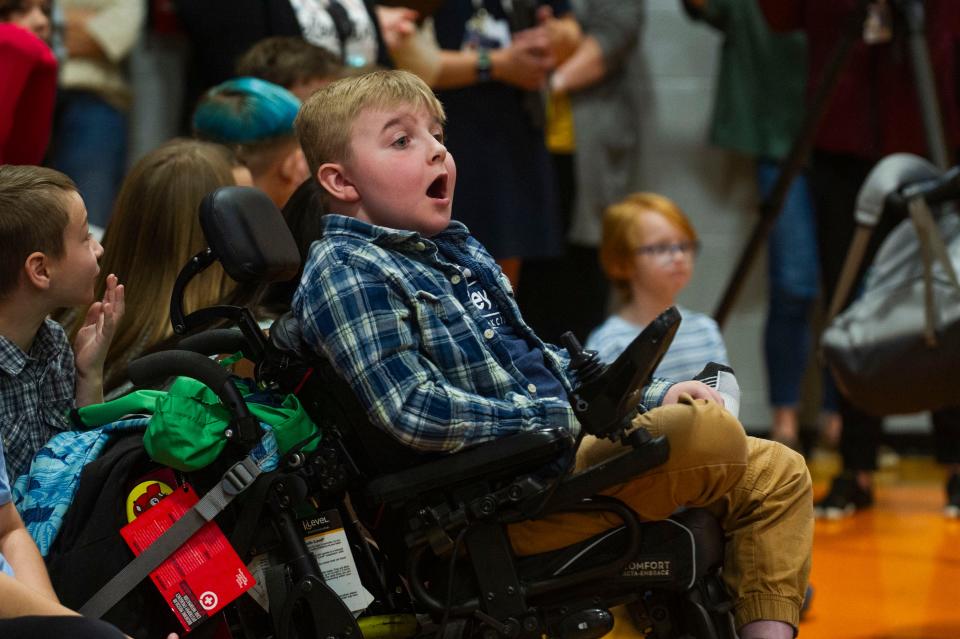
{"points": [[529, 360]]}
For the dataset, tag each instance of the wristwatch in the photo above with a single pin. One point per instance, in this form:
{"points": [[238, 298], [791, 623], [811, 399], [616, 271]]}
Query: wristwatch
{"points": [[484, 65]]}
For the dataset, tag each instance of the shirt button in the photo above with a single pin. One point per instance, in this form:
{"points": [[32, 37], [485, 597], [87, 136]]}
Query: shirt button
{"points": [[467, 272], [455, 279], [532, 388], [420, 246], [488, 333]]}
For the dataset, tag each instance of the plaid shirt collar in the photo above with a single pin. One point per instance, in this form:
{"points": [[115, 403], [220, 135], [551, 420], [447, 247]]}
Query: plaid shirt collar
{"points": [[45, 346], [395, 239]]}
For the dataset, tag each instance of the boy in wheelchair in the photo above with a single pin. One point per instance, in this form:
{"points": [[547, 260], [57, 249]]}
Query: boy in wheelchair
{"points": [[415, 316]]}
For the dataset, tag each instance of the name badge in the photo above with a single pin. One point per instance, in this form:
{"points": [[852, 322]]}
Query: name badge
{"points": [[486, 32]]}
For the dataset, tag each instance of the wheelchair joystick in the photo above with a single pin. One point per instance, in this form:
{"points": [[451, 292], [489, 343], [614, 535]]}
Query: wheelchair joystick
{"points": [[586, 364], [598, 413], [606, 398]]}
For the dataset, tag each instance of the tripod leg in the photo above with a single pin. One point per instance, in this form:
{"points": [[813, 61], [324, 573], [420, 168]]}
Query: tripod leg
{"points": [[915, 17], [799, 152]]}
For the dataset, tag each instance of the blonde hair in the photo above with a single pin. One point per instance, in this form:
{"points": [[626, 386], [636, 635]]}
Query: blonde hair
{"points": [[325, 122], [622, 234], [154, 231]]}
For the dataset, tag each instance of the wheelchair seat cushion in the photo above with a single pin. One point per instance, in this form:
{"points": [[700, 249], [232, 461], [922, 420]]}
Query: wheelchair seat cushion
{"points": [[673, 554]]}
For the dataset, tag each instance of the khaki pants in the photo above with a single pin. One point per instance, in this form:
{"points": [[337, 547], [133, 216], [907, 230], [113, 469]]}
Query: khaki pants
{"points": [[759, 490]]}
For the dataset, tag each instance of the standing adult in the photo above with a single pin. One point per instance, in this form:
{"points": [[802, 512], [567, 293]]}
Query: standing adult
{"points": [[598, 90], [357, 32], [758, 110], [874, 112], [494, 60], [90, 129]]}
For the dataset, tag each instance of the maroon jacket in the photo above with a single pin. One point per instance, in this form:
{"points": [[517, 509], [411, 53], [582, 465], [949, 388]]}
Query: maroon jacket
{"points": [[28, 85], [875, 110]]}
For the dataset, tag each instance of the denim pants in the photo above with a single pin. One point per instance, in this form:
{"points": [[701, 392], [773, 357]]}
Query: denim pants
{"points": [[90, 146], [794, 280], [759, 490]]}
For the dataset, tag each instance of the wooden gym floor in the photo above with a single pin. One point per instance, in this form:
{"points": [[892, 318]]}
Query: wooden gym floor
{"points": [[892, 572]]}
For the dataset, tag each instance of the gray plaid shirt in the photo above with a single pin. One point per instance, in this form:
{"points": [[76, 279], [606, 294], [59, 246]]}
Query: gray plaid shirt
{"points": [[36, 394]]}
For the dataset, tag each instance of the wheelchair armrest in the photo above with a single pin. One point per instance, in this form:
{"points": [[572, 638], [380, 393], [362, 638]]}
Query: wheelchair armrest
{"points": [[518, 453], [617, 470]]}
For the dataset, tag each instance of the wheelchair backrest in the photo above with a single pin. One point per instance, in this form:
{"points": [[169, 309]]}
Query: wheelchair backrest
{"points": [[249, 235]]}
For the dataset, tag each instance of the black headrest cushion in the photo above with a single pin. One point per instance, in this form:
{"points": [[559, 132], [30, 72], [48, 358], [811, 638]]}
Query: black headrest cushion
{"points": [[249, 235]]}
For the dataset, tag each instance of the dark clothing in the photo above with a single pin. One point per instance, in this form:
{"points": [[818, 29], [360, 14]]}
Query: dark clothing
{"points": [[220, 31], [72, 627], [875, 111], [505, 184], [568, 293]]}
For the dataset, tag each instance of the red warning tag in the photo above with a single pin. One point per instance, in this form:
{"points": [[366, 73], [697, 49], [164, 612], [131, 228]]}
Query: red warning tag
{"points": [[203, 575]]}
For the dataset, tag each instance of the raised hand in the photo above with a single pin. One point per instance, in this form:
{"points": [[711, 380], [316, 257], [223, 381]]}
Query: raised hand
{"points": [[93, 341]]}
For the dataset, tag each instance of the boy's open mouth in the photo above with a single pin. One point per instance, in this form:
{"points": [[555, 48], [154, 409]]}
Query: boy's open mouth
{"points": [[438, 188]]}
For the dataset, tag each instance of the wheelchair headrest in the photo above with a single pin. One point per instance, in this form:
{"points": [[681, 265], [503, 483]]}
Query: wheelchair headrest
{"points": [[249, 235]]}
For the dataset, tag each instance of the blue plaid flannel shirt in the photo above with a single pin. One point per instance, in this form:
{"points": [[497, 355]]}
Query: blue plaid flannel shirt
{"points": [[37, 391], [392, 314]]}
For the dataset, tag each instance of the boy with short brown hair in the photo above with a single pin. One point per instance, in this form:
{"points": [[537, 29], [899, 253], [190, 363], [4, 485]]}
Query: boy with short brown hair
{"points": [[418, 319], [291, 62], [48, 260]]}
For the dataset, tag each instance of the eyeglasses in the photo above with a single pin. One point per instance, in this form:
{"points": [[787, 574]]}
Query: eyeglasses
{"points": [[666, 253]]}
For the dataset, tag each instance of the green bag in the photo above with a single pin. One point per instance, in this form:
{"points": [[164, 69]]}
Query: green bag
{"points": [[186, 429], [187, 422]]}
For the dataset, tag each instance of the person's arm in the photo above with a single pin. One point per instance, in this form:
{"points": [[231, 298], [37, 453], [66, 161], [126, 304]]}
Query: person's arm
{"points": [[93, 340], [19, 550], [106, 34], [563, 32], [524, 64], [364, 327], [612, 29]]}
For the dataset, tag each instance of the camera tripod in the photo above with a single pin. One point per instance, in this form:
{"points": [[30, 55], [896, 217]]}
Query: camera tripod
{"points": [[913, 15]]}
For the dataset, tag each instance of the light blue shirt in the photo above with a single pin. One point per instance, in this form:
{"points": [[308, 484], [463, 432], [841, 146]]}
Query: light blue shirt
{"points": [[4, 499], [697, 342]]}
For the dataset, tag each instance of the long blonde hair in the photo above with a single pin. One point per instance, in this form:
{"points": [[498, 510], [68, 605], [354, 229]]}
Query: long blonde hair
{"points": [[154, 231]]}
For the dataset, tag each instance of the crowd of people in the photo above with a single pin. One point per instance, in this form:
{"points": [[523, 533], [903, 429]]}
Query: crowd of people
{"points": [[445, 173]]}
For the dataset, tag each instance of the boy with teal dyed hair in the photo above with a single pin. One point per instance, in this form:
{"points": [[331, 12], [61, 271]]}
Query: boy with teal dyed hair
{"points": [[255, 118]]}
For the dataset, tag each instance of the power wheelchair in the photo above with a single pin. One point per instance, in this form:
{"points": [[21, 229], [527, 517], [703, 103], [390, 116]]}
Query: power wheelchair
{"points": [[428, 532]]}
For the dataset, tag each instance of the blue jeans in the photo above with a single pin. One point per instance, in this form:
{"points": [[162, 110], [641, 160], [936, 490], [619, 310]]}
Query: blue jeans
{"points": [[794, 285], [90, 145]]}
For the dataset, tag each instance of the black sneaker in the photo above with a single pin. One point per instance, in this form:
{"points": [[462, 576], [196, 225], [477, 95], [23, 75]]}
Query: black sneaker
{"points": [[952, 508], [845, 498]]}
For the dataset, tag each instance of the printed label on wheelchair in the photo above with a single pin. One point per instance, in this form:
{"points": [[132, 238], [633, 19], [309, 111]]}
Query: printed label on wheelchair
{"points": [[327, 541]]}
